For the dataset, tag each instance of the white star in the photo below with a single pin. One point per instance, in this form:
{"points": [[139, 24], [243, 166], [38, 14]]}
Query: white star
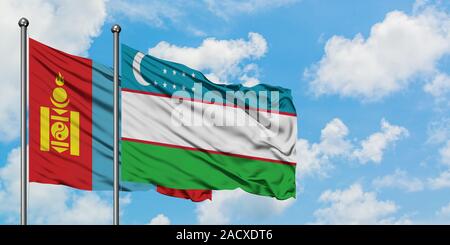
{"points": [[164, 84], [183, 74], [174, 72], [193, 75], [174, 86], [155, 83], [165, 71]]}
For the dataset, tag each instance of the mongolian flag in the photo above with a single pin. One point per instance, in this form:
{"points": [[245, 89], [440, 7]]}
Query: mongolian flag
{"points": [[71, 123]]}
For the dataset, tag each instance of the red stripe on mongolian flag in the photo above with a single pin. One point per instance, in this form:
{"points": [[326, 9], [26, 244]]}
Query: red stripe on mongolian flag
{"points": [[60, 113]]}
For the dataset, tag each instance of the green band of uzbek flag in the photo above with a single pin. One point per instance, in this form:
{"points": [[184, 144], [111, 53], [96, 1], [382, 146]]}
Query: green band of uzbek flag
{"points": [[204, 170]]}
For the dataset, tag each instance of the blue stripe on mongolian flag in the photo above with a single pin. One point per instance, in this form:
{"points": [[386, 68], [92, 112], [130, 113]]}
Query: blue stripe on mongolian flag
{"points": [[102, 131]]}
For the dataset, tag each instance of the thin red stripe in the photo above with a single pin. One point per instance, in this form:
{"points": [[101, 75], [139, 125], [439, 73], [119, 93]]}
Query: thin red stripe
{"points": [[206, 102], [208, 151]]}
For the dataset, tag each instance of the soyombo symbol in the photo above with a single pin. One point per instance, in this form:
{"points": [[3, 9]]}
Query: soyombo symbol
{"points": [[60, 128]]}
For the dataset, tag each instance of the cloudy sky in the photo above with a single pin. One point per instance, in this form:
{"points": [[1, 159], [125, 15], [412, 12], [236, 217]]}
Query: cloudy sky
{"points": [[370, 81]]}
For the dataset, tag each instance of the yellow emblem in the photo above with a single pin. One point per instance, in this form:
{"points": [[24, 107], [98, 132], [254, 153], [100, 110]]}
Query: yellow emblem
{"points": [[60, 128]]}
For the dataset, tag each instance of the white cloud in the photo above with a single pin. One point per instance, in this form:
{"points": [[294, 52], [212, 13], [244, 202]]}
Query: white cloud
{"points": [[354, 206], [66, 25], [399, 179], [234, 206], [439, 134], [154, 13], [444, 211], [249, 81], [157, 12], [178, 13], [439, 131], [160, 219], [250, 75], [49, 204], [441, 181], [445, 153], [439, 86], [79, 209], [219, 68], [397, 49], [314, 159], [333, 140], [229, 8], [311, 161], [373, 147], [9, 183]]}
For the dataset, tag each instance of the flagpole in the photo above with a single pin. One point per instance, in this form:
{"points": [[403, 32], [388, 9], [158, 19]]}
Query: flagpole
{"points": [[23, 23], [116, 30]]}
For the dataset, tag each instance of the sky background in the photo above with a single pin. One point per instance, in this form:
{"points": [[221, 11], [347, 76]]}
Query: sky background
{"points": [[370, 81]]}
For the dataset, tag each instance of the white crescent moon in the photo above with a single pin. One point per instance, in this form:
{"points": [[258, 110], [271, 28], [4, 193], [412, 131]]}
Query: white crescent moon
{"points": [[137, 69]]}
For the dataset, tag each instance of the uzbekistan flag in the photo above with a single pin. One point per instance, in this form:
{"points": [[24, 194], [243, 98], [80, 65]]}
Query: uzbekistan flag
{"points": [[179, 130], [71, 123]]}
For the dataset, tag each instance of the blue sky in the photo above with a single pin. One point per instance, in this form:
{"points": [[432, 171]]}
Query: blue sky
{"points": [[370, 81]]}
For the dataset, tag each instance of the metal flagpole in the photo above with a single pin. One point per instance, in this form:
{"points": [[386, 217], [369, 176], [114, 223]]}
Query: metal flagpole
{"points": [[116, 30], [23, 23]]}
